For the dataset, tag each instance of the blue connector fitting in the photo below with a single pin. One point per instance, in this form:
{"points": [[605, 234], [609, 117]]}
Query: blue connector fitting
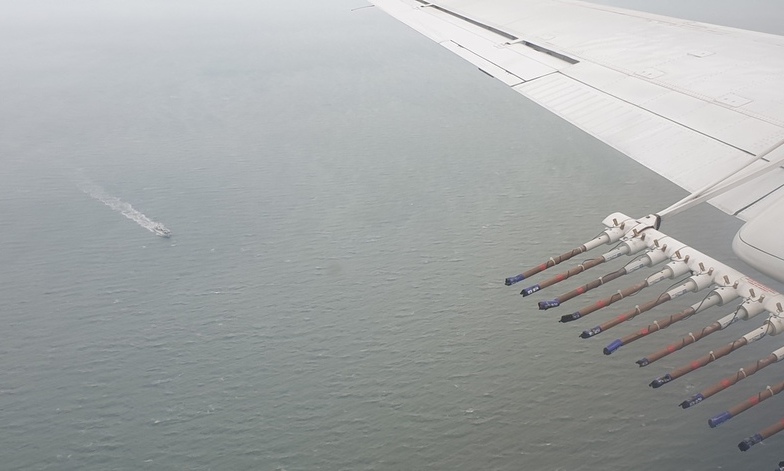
{"points": [[545, 305], [659, 382], [692, 401], [514, 279], [717, 420], [614, 345], [530, 290]]}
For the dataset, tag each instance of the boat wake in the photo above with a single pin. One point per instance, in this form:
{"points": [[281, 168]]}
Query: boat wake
{"points": [[125, 209]]}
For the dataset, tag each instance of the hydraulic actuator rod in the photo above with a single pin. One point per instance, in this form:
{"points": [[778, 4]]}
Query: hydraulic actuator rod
{"points": [[612, 234], [602, 303], [716, 297], [673, 269], [624, 248], [745, 311], [544, 305], [752, 336], [560, 277], [628, 315], [742, 374], [651, 258], [694, 283]]}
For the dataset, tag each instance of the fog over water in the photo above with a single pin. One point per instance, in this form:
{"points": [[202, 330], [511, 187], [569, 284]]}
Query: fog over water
{"points": [[346, 198]]}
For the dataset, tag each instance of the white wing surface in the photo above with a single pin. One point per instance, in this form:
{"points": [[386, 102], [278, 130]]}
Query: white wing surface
{"points": [[691, 101]]}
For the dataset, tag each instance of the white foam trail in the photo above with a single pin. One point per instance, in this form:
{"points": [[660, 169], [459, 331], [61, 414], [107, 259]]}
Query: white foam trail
{"points": [[123, 208]]}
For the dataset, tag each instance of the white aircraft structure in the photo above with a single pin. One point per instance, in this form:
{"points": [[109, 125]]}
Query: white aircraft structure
{"points": [[700, 104]]}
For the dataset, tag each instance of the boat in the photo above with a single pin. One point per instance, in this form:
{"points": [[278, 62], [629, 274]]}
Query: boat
{"points": [[160, 230]]}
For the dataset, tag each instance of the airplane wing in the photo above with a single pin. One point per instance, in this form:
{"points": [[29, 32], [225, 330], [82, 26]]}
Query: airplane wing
{"points": [[700, 104], [691, 101]]}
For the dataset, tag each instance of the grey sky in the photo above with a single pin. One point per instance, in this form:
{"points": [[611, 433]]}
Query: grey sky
{"points": [[758, 15]]}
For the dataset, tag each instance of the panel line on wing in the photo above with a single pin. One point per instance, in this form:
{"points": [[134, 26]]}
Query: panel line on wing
{"points": [[488, 67], [512, 38], [469, 20], [736, 213], [690, 128]]}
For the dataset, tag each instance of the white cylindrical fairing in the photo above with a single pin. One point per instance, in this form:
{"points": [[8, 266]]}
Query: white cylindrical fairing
{"points": [[775, 325]]}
